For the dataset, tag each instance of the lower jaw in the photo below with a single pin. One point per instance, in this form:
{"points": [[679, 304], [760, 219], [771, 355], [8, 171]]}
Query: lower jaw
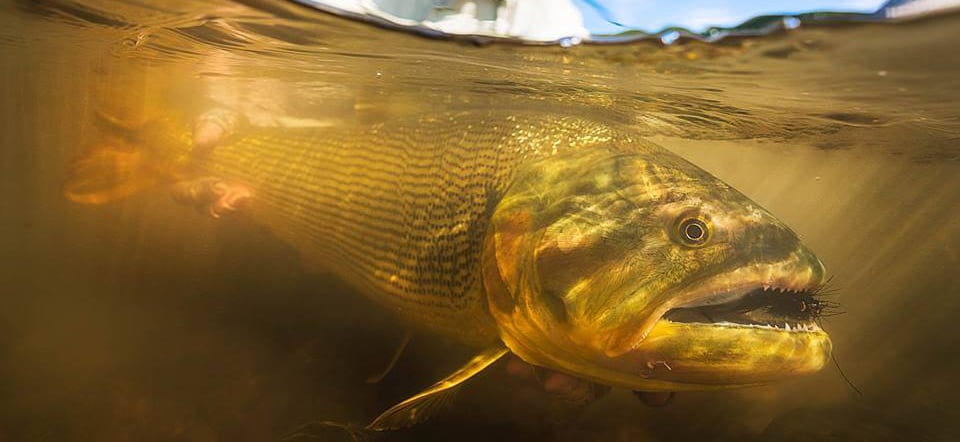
{"points": [[732, 354], [677, 356]]}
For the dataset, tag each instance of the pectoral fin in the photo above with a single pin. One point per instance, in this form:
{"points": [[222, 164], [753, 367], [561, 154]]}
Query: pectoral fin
{"points": [[428, 402]]}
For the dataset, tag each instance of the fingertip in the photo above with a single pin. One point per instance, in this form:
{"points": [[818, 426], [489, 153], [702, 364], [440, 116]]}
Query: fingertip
{"points": [[559, 383], [655, 398], [519, 369]]}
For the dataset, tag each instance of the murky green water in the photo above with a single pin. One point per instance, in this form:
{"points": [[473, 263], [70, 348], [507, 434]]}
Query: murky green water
{"points": [[144, 320]]}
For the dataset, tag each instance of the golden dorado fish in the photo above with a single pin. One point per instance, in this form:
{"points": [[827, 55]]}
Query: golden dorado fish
{"points": [[573, 244]]}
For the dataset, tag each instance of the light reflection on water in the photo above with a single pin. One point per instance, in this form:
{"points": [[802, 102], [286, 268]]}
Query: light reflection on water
{"points": [[142, 320]]}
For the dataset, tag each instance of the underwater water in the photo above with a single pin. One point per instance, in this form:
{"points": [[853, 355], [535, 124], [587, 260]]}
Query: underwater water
{"points": [[142, 319]]}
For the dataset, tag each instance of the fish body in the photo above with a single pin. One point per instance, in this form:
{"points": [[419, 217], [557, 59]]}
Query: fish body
{"points": [[577, 244], [400, 210]]}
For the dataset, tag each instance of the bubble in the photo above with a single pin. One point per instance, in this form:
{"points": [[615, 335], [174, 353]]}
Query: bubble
{"points": [[791, 22], [567, 42], [669, 37]]}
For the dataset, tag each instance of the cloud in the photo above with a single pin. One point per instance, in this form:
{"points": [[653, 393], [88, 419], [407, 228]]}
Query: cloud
{"points": [[701, 18]]}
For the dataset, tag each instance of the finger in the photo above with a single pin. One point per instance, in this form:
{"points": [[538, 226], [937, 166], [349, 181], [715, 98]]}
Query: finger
{"points": [[207, 134], [655, 399], [517, 368], [211, 128], [562, 384], [572, 390], [565, 388], [232, 197]]}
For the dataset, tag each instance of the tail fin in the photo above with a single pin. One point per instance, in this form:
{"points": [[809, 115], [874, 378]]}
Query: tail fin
{"points": [[114, 169]]}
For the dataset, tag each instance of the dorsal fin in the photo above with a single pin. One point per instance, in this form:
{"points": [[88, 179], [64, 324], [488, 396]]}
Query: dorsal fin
{"points": [[427, 403]]}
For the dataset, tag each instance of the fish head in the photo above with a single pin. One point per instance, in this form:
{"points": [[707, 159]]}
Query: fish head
{"points": [[635, 268]]}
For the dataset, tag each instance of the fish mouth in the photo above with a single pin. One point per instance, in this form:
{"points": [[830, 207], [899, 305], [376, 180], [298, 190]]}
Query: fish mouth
{"points": [[749, 326], [763, 306], [773, 297], [780, 296]]}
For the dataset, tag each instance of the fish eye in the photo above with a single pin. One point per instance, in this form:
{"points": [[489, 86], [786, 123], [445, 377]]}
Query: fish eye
{"points": [[693, 231]]}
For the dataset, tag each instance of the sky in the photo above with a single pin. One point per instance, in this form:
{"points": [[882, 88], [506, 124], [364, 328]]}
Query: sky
{"points": [[697, 15]]}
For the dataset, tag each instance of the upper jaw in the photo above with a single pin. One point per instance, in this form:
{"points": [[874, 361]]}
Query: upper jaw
{"points": [[735, 285], [799, 272]]}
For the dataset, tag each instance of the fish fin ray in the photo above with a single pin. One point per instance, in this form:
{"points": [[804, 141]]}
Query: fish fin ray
{"points": [[116, 167], [377, 377], [107, 173], [427, 403]]}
